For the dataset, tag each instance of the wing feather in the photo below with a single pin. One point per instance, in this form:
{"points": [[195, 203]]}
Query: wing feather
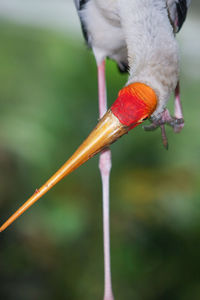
{"points": [[79, 6], [177, 12]]}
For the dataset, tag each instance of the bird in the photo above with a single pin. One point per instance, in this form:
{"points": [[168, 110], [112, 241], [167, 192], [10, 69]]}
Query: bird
{"points": [[140, 36]]}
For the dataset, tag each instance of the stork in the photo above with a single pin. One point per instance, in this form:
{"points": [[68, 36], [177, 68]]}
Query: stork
{"points": [[140, 36]]}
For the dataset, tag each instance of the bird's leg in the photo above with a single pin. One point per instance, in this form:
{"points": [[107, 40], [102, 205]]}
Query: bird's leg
{"points": [[178, 110], [105, 168]]}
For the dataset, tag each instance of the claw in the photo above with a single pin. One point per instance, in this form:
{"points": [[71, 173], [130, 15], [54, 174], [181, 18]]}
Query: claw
{"points": [[164, 137], [155, 125], [151, 127], [176, 122], [166, 119], [179, 124]]}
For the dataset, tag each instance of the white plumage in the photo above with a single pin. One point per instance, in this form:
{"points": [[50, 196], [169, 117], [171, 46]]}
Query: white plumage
{"points": [[139, 33]]}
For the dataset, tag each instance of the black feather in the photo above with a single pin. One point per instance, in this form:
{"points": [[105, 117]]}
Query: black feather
{"points": [[80, 5], [181, 7], [123, 67]]}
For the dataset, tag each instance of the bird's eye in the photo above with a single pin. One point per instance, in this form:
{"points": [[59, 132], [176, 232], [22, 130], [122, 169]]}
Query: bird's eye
{"points": [[145, 119]]}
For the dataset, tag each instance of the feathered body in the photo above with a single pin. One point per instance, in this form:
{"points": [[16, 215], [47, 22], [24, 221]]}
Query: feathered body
{"points": [[140, 34]]}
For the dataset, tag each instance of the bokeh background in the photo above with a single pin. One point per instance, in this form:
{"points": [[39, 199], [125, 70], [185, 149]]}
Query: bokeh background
{"points": [[48, 105]]}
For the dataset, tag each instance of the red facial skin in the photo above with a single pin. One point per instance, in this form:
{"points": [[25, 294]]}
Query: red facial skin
{"points": [[134, 104]]}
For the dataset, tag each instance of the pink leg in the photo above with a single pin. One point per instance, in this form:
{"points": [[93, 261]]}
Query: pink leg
{"points": [[105, 168], [178, 108]]}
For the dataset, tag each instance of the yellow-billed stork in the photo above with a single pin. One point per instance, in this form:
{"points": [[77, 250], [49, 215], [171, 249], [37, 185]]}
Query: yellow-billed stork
{"points": [[140, 36]]}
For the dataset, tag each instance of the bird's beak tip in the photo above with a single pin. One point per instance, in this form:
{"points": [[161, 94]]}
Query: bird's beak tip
{"points": [[107, 131], [1, 229]]}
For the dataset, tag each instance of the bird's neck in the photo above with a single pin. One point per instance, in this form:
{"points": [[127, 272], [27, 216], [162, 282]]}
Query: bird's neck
{"points": [[152, 49]]}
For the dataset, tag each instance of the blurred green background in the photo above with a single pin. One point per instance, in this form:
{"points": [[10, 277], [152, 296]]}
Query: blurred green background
{"points": [[48, 105]]}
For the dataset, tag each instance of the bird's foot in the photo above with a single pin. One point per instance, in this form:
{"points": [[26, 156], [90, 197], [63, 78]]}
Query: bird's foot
{"points": [[176, 123]]}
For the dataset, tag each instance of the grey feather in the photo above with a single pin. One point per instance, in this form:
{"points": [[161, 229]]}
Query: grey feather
{"points": [[77, 4]]}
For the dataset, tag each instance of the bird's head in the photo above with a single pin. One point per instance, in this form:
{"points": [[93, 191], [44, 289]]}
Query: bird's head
{"points": [[135, 103]]}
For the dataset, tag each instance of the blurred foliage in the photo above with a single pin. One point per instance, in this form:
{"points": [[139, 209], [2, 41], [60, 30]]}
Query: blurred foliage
{"points": [[48, 105]]}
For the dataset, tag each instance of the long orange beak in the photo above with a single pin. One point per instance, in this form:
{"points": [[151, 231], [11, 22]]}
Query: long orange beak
{"points": [[135, 103], [108, 130]]}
